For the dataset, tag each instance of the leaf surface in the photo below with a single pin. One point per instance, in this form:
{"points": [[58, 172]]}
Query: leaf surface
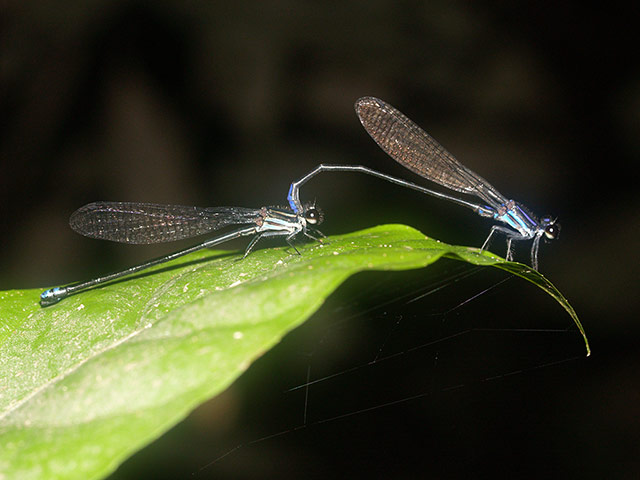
{"points": [[89, 381]]}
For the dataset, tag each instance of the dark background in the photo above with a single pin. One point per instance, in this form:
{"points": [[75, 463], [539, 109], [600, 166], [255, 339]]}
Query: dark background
{"points": [[212, 103]]}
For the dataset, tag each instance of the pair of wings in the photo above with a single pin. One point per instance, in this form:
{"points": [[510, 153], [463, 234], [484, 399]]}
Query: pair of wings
{"points": [[416, 150], [145, 223]]}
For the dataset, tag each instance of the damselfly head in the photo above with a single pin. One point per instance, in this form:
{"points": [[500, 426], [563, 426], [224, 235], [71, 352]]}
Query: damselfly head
{"points": [[551, 228], [313, 215]]}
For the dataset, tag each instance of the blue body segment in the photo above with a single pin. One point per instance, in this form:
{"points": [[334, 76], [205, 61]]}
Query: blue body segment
{"points": [[290, 198], [52, 292], [517, 218]]}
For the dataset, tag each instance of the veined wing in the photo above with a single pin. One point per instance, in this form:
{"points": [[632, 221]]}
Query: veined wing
{"points": [[145, 223], [415, 149]]}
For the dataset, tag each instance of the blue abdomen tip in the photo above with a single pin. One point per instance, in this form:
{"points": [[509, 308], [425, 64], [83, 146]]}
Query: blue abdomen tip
{"points": [[50, 292]]}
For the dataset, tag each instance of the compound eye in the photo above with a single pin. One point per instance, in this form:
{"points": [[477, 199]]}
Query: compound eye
{"points": [[552, 231], [312, 216]]}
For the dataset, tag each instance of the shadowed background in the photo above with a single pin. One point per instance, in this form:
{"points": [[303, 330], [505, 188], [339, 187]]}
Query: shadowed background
{"points": [[210, 103]]}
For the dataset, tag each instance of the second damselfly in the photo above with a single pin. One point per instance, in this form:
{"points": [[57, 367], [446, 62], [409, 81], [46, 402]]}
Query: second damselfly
{"points": [[416, 150]]}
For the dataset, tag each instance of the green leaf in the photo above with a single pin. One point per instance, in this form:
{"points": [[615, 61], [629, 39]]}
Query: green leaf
{"points": [[87, 382]]}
